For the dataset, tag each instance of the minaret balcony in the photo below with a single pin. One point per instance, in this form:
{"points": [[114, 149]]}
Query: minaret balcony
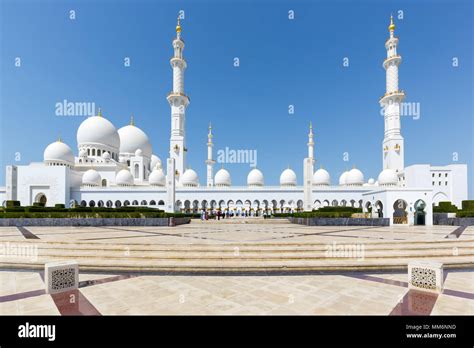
{"points": [[396, 96], [181, 97], [396, 59], [177, 61]]}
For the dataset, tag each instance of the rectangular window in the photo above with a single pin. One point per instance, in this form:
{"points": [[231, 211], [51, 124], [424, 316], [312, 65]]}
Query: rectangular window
{"points": [[433, 183], [439, 183], [446, 175], [446, 183]]}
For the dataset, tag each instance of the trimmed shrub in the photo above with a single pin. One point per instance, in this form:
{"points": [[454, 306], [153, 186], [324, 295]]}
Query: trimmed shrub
{"points": [[465, 213], [38, 204], [445, 207], [468, 205], [11, 204], [62, 206]]}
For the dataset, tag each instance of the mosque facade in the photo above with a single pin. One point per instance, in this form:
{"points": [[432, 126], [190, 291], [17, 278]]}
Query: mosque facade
{"points": [[117, 167]]}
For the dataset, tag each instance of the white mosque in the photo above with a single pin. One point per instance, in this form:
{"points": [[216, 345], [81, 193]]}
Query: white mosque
{"points": [[117, 168]]}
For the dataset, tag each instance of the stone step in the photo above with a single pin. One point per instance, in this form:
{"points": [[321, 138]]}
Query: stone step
{"points": [[241, 265]]}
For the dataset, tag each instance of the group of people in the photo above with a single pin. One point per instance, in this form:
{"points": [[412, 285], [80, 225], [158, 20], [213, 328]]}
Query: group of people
{"points": [[205, 215]]}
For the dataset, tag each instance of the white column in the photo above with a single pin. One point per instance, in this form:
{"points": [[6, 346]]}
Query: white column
{"points": [[170, 186], [307, 184]]}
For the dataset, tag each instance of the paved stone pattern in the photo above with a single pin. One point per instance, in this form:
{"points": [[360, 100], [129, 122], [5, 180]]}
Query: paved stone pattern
{"points": [[321, 294], [239, 232], [22, 292]]}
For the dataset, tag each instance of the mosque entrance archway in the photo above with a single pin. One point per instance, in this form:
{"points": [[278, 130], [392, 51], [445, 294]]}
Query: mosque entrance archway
{"points": [[420, 213], [400, 212], [41, 198], [379, 208]]}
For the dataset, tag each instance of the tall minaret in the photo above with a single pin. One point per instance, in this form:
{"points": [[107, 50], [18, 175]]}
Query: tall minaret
{"points": [[210, 162], [178, 102], [308, 170], [393, 146]]}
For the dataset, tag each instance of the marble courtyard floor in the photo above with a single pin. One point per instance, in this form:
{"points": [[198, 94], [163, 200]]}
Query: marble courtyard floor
{"points": [[343, 292]]}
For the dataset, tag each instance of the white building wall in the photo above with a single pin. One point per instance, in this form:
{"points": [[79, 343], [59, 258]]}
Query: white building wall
{"points": [[52, 181]]}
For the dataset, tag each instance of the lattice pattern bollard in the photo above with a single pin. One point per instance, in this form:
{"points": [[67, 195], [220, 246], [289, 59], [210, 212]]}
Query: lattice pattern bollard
{"points": [[61, 276], [426, 275]]}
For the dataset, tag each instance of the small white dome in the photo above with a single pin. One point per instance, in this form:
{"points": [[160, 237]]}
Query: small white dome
{"points": [[98, 130], [106, 155], [83, 153], [139, 152], [189, 178], [154, 161], [288, 178], [132, 139], [321, 177], [355, 177], [222, 178], [342, 178], [91, 178], [388, 177], [255, 178], [157, 177], [58, 152], [371, 181], [124, 178]]}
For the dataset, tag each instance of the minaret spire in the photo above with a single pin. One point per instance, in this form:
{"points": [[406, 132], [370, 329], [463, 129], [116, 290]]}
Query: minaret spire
{"points": [[178, 101], [210, 161], [311, 142], [393, 143]]}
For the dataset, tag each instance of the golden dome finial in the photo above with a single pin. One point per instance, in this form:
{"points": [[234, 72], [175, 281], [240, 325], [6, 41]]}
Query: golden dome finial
{"points": [[100, 112], [391, 27], [132, 121], [178, 27], [59, 139]]}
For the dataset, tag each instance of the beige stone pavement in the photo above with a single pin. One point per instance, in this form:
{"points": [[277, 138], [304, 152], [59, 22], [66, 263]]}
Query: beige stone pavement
{"points": [[316, 293]]}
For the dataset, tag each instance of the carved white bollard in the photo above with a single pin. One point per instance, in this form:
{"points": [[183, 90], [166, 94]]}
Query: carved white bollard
{"points": [[426, 275], [61, 276]]}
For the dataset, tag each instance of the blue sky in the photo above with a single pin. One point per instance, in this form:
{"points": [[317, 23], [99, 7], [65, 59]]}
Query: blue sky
{"points": [[282, 62]]}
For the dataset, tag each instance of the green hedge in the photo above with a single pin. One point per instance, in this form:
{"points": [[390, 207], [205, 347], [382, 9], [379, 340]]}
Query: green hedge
{"points": [[445, 207], [11, 204], [468, 205], [466, 213], [77, 215], [339, 209]]}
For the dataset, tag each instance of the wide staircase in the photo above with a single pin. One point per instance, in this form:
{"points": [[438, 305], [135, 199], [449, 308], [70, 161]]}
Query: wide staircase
{"points": [[245, 257]]}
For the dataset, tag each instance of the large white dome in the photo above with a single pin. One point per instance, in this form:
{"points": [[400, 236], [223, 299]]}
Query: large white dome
{"points": [[157, 177], [58, 152], [255, 178], [222, 178], [133, 138], [91, 178], [288, 178], [321, 177], [98, 130], [189, 178], [355, 177], [388, 177], [154, 161], [342, 178], [124, 178]]}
